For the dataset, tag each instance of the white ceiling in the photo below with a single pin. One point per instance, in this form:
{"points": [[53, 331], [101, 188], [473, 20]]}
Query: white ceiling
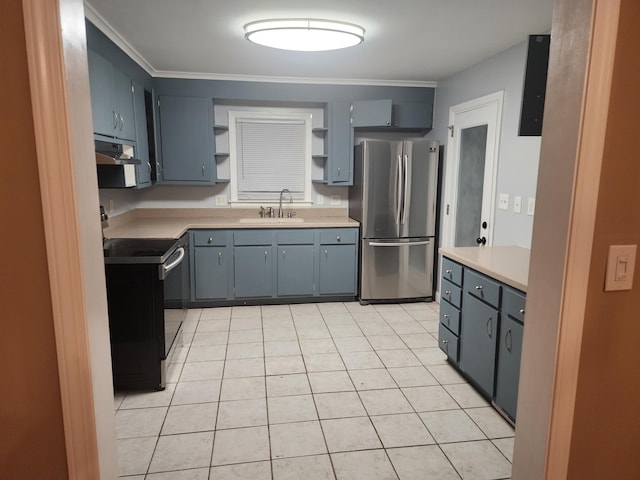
{"points": [[406, 41]]}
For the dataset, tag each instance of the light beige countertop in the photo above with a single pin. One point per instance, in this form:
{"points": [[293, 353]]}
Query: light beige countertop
{"points": [[509, 265], [173, 222]]}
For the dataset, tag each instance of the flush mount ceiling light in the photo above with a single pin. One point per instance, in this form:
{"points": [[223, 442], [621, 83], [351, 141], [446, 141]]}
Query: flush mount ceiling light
{"points": [[305, 35]]}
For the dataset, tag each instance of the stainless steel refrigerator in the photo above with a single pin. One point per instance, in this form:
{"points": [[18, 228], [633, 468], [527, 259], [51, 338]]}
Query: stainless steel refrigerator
{"points": [[394, 199]]}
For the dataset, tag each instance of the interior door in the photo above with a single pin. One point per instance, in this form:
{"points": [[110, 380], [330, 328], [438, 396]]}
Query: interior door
{"points": [[474, 129]]}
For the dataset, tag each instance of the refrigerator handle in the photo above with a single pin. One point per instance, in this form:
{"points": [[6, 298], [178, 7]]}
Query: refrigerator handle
{"points": [[405, 189], [399, 244], [399, 184]]}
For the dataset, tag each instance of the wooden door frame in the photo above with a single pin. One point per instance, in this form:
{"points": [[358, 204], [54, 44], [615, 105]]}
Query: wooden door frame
{"points": [[495, 99]]}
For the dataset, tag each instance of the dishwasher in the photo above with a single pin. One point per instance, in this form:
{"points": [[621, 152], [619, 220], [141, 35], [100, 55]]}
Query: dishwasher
{"points": [[147, 295]]}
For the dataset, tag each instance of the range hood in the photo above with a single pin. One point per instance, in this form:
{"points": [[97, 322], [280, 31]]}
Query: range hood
{"points": [[116, 165]]}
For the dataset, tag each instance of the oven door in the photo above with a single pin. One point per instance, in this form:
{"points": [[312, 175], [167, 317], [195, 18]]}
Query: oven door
{"points": [[174, 274]]}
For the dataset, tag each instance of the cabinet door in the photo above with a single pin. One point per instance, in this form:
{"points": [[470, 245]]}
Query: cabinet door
{"points": [[337, 270], [478, 332], [295, 270], [210, 275], [340, 161], [143, 171], [371, 113], [123, 106], [253, 267], [508, 374], [413, 115], [100, 81], [186, 137]]}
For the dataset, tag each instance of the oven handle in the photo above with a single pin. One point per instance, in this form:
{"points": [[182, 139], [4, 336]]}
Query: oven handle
{"points": [[165, 269]]}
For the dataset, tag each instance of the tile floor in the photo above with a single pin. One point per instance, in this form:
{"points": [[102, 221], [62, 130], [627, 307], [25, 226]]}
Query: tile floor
{"points": [[312, 391]]}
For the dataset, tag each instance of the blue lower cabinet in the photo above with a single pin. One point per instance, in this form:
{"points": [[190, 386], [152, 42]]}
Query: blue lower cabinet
{"points": [[337, 270], [295, 270], [508, 373], [210, 273], [253, 269]]}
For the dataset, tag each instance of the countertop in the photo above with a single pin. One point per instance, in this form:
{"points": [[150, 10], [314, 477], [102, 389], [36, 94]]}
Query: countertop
{"points": [[172, 223], [509, 265]]}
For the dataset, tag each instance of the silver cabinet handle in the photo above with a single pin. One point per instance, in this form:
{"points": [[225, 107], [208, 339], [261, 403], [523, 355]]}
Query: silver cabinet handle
{"points": [[149, 165], [338, 172], [338, 238], [203, 169], [447, 318], [478, 287], [219, 258], [445, 341], [447, 292], [284, 254], [509, 345], [265, 256], [121, 123], [522, 311], [115, 119], [210, 240], [326, 254], [490, 327], [448, 271]]}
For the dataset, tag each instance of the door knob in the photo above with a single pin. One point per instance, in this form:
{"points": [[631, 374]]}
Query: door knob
{"points": [[481, 240]]}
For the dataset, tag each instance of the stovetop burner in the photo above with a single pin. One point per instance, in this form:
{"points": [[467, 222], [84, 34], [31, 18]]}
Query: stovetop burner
{"points": [[137, 250]]}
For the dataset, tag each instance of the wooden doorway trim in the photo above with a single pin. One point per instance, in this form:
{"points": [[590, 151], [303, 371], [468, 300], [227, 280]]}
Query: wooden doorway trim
{"points": [[57, 184]]}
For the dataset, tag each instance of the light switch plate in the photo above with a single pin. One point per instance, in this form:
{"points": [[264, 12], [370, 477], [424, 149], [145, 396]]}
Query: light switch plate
{"points": [[517, 204], [531, 206], [503, 202], [320, 199], [221, 200], [336, 199], [621, 264]]}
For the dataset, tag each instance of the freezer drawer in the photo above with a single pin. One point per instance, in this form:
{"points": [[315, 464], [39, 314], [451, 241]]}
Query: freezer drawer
{"points": [[396, 269]]}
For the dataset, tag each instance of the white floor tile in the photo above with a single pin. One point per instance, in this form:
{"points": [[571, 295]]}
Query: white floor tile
{"points": [[134, 455], [349, 434], [284, 365], [491, 422], [191, 474], [505, 445], [361, 360], [281, 348], [237, 351], [242, 471], [315, 467], [323, 362], [202, 371], [384, 402], [245, 367], [353, 344], [282, 385], [325, 382], [148, 399], [296, 439], [181, 452], [427, 399], [398, 358], [206, 353], [446, 374], [363, 465], [386, 342], [243, 388], [371, 379], [477, 460], [339, 405], [319, 345], [450, 426], [242, 413], [205, 391], [297, 408], [412, 377], [143, 422], [465, 395], [422, 463], [199, 417], [402, 430], [240, 445]]}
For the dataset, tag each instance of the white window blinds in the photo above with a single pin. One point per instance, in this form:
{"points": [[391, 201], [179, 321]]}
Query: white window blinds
{"points": [[271, 156]]}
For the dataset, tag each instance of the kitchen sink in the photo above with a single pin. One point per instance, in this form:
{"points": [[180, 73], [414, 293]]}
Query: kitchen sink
{"points": [[271, 220]]}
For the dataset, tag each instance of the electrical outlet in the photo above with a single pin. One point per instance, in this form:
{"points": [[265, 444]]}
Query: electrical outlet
{"points": [[336, 199], [112, 205], [221, 200], [320, 199], [517, 203], [503, 202], [531, 206]]}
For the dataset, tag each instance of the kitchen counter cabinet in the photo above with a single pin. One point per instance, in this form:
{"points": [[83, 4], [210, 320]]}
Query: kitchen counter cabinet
{"points": [[482, 318], [143, 171], [273, 264], [381, 115]]}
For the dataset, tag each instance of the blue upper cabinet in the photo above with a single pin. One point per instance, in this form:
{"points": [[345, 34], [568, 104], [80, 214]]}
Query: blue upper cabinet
{"points": [[111, 99], [187, 140], [339, 168], [143, 171], [383, 115]]}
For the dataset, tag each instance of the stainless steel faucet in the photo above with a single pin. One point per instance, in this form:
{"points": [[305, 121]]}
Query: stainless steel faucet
{"points": [[280, 212]]}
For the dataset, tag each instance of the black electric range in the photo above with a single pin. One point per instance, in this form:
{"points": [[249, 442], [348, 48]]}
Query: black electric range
{"points": [[147, 294]]}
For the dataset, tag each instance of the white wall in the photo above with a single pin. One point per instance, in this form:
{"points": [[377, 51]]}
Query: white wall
{"points": [[518, 156]]}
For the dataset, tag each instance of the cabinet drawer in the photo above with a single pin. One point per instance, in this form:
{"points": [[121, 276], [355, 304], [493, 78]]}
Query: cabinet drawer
{"points": [[450, 317], [331, 236], [513, 303], [210, 238], [448, 343], [295, 237], [451, 293], [452, 271], [482, 287], [252, 237]]}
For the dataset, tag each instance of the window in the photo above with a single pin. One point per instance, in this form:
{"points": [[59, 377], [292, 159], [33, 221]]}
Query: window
{"points": [[269, 152]]}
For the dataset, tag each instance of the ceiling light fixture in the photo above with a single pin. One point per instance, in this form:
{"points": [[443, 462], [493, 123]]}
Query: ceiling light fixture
{"points": [[305, 35]]}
